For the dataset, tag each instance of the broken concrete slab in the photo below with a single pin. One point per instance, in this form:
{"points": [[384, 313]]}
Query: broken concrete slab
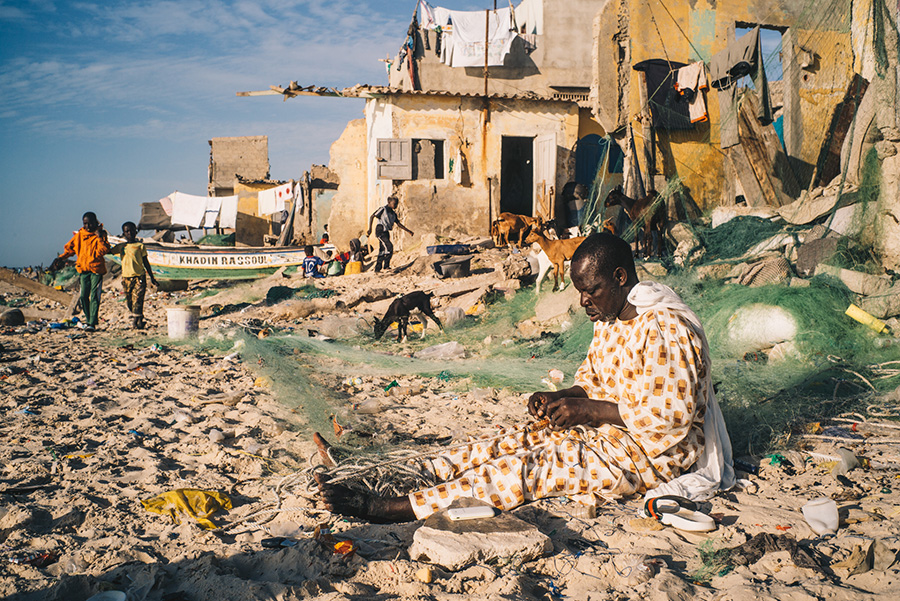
{"points": [[557, 304], [849, 220], [652, 269], [452, 316], [884, 305], [516, 266], [469, 284], [722, 215], [454, 545], [467, 301], [860, 283]]}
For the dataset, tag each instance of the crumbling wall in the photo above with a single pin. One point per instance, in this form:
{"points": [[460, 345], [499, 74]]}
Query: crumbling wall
{"points": [[697, 30], [611, 69], [349, 205], [244, 156], [462, 202], [562, 59]]}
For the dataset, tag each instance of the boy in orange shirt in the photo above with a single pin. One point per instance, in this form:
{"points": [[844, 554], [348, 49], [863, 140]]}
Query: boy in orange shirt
{"points": [[135, 270], [89, 245]]}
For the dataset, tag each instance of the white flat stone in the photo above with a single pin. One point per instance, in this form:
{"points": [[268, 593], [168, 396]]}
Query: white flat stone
{"points": [[455, 545]]}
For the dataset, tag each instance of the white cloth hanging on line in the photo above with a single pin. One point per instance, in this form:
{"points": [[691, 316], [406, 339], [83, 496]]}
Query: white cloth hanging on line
{"points": [[213, 206], [188, 209], [468, 37], [228, 214]]}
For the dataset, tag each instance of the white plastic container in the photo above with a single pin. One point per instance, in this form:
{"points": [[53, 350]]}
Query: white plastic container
{"points": [[183, 321], [822, 515]]}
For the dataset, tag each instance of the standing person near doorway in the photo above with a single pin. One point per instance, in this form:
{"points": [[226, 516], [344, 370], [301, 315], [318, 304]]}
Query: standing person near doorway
{"points": [[387, 217]]}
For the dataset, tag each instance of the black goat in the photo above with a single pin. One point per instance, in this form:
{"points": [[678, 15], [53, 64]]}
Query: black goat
{"points": [[399, 311]]}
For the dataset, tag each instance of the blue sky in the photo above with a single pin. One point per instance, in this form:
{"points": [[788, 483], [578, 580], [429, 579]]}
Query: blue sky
{"points": [[104, 105]]}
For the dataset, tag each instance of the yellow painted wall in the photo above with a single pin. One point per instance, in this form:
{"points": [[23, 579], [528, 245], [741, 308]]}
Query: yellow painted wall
{"points": [[441, 206], [445, 207], [250, 228], [348, 207], [697, 30]]}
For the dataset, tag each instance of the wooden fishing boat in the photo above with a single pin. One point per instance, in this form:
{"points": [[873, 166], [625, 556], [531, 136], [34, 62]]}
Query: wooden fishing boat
{"points": [[178, 262]]}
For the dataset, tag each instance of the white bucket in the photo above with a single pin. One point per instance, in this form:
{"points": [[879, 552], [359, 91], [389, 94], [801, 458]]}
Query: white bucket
{"points": [[183, 321]]}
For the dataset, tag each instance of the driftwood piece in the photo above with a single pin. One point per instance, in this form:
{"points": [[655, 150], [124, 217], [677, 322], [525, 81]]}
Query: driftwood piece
{"points": [[34, 287], [760, 150], [766, 153], [753, 193]]}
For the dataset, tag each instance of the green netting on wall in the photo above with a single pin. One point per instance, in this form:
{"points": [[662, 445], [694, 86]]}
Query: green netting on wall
{"points": [[735, 237]]}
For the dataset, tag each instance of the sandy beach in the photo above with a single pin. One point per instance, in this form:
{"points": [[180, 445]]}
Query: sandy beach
{"points": [[93, 424]]}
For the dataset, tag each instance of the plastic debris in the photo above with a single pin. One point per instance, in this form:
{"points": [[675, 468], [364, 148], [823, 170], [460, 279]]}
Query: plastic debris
{"points": [[196, 504]]}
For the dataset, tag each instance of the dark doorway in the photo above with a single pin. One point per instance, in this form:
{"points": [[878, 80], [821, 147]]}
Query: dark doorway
{"points": [[517, 175]]}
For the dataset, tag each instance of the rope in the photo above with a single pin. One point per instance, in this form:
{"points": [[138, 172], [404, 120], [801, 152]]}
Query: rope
{"points": [[393, 474]]}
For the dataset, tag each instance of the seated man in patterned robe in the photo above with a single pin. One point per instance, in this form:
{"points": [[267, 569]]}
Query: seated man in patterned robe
{"points": [[633, 420]]}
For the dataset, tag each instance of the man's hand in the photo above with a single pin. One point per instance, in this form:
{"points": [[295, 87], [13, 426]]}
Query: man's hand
{"points": [[568, 413], [537, 403], [153, 281]]}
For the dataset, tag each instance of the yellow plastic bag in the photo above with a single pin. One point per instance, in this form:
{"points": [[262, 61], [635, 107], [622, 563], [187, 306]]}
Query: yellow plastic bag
{"points": [[198, 504]]}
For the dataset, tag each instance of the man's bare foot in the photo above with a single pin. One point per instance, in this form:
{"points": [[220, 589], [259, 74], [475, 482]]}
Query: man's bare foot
{"points": [[323, 445], [346, 501]]}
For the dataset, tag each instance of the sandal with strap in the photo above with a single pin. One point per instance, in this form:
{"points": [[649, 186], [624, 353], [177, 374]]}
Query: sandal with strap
{"points": [[680, 513]]}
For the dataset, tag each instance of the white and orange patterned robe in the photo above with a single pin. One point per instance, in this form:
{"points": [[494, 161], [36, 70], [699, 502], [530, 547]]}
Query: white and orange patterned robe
{"points": [[653, 367]]}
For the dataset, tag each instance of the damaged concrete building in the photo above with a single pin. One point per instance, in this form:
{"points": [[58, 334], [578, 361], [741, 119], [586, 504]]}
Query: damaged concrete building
{"points": [[601, 92], [838, 59]]}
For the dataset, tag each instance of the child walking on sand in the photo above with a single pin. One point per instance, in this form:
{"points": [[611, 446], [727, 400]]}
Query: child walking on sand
{"points": [[135, 270], [88, 245]]}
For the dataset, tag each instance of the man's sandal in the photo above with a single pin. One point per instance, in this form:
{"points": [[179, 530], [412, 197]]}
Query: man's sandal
{"points": [[678, 512]]}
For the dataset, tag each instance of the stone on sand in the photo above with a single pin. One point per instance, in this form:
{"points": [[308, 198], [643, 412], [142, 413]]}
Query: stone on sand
{"points": [[454, 545], [12, 317]]}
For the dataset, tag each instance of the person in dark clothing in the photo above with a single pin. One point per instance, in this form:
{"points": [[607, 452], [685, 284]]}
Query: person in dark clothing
{"points": [[387, 217]]}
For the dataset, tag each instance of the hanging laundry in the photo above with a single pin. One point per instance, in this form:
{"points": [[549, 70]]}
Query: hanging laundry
{"points": [[273, 200], [228, 213], [740, 58], [283, 193], [434, 18], [265, 205], [188, 210], [468, 37], [410, 47], [634, 182], [166, 202], [298, 197], [667, 108], [213, 206], [690, 83], [426, 16], [529, 16]]}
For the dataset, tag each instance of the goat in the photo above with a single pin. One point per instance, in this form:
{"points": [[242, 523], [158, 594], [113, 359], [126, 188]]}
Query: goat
{"points": [[544, 265], [558, 251], [510, 224], [399, 311], [648, 212]]}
